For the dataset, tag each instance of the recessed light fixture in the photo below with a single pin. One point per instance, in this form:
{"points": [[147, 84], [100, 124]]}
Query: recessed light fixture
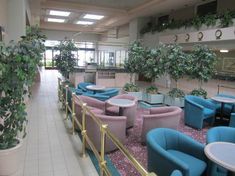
{"points": [[59, 13], [85, 22], [224, 51], [57, 20], [93, 17]]}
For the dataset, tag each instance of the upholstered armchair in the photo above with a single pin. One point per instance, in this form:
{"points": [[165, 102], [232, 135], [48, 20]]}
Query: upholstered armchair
{"points": [[176, 173], [129, 112], [196, 110], [170, 150], [93, 104], [219, 134], [161, 117], [82, 86], [232, 120], [116, 124]]}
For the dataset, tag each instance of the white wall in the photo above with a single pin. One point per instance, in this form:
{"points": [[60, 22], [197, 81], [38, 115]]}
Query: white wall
{"points": [[3, 14], [60, 35]]}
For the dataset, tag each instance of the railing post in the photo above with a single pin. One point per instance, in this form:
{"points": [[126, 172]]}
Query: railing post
{"points": [[218, 89], [59, 90], [102, 148], [73, 113], [83, 154], [66, 101]]}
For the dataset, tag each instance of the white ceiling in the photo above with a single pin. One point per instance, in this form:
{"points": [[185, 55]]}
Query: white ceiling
{"points": [[116, 12]]}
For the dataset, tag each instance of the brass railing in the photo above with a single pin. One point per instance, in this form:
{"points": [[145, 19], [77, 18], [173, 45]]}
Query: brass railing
{"points": [[104, 132], [224, 86]]}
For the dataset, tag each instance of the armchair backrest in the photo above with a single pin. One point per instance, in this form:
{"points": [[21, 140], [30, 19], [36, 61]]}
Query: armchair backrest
{"points": [[90, 101], [110, 92], [83, 85], [127, 96], [222, 134]]}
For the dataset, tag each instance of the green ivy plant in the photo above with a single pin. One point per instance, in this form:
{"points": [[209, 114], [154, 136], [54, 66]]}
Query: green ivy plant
{"points": [[226, 19], [130, 87], [152, 90], [66, 61], [202, 64], [136, 57], [199, 92], [18, 64], [210, 20]]}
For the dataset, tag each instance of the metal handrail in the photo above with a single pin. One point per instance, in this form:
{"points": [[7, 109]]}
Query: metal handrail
{"points": [[104, 131], [224, 86]]}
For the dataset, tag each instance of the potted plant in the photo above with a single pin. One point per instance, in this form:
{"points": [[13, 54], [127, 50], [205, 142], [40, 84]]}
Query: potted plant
{"points": [[203, 61], [133, 90], [18, 65], [66, 61], [176, 63], [153, 96], [136, 56]]}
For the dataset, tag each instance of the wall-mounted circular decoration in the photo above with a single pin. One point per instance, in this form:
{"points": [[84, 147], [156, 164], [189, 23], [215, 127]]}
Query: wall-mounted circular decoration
{"points": [[175, 38], [187, 37], [218, 34], [200, 36]]}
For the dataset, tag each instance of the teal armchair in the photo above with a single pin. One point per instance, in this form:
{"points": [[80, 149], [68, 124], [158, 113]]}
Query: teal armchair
{"points": [[170, 150], [197, 110]]}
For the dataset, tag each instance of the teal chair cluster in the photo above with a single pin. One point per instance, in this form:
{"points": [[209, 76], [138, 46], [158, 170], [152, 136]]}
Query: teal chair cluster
{"points": [[103, 95], [197, 110], [170, 150], [219, 134]]}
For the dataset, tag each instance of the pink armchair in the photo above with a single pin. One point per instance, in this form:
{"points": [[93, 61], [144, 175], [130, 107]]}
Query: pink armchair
{"points": [[93, 104], [167, 117], [129, 112], [116, 124]]}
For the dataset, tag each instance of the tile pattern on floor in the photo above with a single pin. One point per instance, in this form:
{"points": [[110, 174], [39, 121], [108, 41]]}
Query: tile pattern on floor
{"points": [[49, 149]]}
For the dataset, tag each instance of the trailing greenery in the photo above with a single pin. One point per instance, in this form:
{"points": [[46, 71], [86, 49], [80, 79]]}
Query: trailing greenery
{"points": [[199, 92], [130, 87], [152, 90], [18, 64], [136, 56], [225, 20], [176, 93], [202, 64], [66, 61]]}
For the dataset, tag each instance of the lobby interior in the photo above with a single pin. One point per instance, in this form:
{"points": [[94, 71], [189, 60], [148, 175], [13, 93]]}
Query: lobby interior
{"points": [[75, 128]]}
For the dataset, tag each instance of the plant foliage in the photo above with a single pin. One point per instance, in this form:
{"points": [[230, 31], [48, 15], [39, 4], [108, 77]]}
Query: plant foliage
{"points": [[18, 64], [176, 93], [130, 87], [66, 61], [152, 90], [199, 92]]}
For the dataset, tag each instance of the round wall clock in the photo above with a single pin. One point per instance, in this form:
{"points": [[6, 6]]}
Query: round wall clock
{"points": [[187, 37], [200, 36], [218, 34]]}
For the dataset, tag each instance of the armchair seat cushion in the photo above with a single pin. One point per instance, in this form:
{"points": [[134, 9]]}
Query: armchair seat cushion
{"points": [[208, 112], [196, 166]]}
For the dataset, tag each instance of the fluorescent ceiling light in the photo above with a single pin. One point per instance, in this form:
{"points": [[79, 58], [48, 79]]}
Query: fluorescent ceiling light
{"points": [[85, 22], [93, 17], [56, 20], [59, 13], [224, 51]]}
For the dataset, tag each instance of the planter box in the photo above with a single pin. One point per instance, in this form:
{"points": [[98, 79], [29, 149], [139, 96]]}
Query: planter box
{"points": [[138, 95], [154, 98], [174, 101]]}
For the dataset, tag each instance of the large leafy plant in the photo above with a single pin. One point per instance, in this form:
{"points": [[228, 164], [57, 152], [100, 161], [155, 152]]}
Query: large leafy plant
{"points": [[202, 64], [66, 61], [136, 57], [153, 65], [18, 64], [199, 92], [130, 87]]}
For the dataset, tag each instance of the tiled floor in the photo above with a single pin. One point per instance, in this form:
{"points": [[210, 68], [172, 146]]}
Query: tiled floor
{"points": [[49, 149]]}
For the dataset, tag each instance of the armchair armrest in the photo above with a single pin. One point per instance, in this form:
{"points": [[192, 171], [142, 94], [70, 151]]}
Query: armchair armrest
{"points": [[194, 104]]}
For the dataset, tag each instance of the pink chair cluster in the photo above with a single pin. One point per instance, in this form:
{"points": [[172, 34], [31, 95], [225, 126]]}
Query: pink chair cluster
{"points": [[158, 117]]}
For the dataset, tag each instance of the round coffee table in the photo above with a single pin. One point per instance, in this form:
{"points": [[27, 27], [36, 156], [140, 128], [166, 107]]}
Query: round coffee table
{"points": [[121, 103], [95, 88], [223, 154]]}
